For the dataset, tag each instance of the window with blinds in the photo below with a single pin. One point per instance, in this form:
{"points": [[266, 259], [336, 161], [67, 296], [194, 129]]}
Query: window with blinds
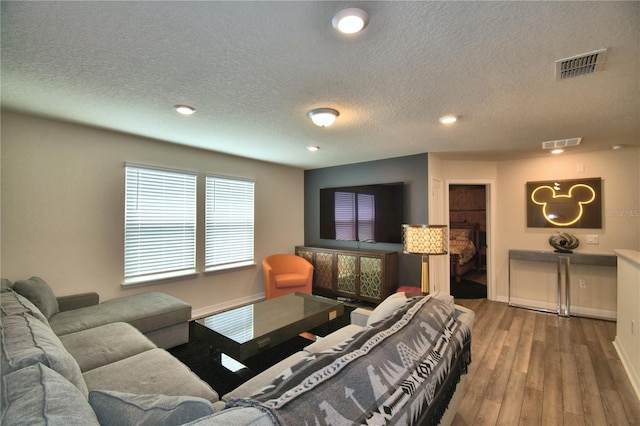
{"points": [[229, 223], [160, 224]]}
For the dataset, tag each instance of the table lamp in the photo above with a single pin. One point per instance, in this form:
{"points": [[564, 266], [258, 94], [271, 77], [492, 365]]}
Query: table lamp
{"points": [[425, 240]]}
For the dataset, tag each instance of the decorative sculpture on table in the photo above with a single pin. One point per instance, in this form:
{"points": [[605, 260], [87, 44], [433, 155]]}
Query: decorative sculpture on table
{"points": [[563, 242]]}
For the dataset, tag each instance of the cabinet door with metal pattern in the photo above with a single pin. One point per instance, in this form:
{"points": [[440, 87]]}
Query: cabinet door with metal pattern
{"points": [[371, 277], [347, 276]]}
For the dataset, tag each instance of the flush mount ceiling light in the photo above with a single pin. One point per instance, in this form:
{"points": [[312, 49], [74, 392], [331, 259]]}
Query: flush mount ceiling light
{"points": [[313, 148], [448, 119], [323, 117], [350, 21], [185, 109], [557, 151]]}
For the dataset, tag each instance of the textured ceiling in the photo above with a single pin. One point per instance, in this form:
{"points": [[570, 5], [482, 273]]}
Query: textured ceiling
{"points": [[254, 69]]}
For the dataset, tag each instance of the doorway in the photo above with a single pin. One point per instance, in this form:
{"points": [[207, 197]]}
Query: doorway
{"points": [[469, 225]]}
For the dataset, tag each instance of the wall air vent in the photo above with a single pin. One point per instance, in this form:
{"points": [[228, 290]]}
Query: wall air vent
{"points": [[581, 64], [561, 143]]}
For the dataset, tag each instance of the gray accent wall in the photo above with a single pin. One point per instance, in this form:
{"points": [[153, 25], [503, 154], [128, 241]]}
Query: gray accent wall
{"points": [[412, 170]]}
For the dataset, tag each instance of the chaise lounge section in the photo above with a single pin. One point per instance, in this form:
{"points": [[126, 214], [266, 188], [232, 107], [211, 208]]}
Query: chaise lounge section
{"points": [[162, 318]]}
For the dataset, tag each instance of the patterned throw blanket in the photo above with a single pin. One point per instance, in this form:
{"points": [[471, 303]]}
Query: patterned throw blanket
{"points": [[402, 370]]}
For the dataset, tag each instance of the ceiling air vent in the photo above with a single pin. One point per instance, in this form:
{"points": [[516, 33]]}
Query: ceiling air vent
{"points": [[581, 64], [561, 143]]}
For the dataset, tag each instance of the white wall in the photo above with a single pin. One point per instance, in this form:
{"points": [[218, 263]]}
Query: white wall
{"points": [[63, 205], [621, 192]]}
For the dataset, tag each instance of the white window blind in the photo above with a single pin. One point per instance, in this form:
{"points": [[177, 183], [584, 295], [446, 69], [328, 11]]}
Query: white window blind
{"points": [[229, 222], [345, 214], [366, 217], [160, 224]]}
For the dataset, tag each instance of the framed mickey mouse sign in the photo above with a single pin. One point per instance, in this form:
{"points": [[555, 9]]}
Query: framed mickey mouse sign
{"points": [[565, 203]]}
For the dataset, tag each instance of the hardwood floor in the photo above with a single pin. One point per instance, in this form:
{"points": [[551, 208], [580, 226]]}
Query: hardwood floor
{"points": [[533, 368]]}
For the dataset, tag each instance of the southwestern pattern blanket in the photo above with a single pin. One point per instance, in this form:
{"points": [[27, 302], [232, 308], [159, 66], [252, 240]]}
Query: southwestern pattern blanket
{"points": [[401, 370]]}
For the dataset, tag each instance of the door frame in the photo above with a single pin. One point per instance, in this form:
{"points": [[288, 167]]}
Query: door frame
{"points": [[490, 191]]}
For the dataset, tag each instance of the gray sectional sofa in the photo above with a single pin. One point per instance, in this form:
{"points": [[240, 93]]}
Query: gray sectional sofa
{"points": [[72, 366], [59, 372]]}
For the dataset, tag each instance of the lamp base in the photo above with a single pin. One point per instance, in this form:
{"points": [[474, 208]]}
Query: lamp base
{"points": [[425, 274]]}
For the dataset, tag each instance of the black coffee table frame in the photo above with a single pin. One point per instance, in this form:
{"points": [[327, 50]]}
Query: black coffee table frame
{"points": [[269, 323]]}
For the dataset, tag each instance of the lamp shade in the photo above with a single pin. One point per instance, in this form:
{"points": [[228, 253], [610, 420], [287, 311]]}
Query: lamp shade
{"points": [[425, 239]]}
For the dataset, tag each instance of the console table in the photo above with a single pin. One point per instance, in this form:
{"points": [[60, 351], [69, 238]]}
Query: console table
{"points": [[369, 275], [566, 302]]}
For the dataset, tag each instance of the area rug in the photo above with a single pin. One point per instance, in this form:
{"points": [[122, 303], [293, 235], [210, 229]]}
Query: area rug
{"points": [[466, 289]]}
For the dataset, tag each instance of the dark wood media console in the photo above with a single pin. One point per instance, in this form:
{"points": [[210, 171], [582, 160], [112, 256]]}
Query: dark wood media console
{"points": [[369, 275]]}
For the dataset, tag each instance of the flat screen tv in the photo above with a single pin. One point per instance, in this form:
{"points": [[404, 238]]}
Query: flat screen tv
{"points": [[368, 213]]}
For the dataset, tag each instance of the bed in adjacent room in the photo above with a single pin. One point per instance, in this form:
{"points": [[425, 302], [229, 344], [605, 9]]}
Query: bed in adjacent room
{"points": [[464, 241]]}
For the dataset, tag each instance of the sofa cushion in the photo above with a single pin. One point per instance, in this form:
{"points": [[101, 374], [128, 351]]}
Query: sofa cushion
{"points": [[39, 292], [145, 311], [235, 416], [37, 395], [105, 344], [338, 336], [13, 303], [121, 409], [387, 307], [151, 372], [27, 341], [290, 280], [6, 285]]}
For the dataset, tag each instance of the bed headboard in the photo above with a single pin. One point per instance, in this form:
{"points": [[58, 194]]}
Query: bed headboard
{"points": [[469, 230]]}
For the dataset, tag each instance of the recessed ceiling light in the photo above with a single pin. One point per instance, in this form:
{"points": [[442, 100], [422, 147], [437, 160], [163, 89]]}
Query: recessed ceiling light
{"points": [[313, 148], [185, 109], [448, 119], [557, 151], [617, 147], [323, 117], [350, 21]]}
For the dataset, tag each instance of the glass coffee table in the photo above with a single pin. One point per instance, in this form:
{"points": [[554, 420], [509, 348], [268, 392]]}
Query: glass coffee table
{"points": [[249, 330]]}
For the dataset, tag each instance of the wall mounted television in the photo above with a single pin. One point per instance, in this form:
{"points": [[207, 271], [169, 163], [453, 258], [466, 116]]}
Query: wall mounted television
{"points": [[367, 213]]}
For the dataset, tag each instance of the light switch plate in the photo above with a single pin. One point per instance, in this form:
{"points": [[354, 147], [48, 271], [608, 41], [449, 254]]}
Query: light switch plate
{"points": [[592, 239]]}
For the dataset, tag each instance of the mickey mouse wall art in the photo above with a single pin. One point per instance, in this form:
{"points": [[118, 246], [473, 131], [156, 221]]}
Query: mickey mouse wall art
{"points": [[565, 203]]}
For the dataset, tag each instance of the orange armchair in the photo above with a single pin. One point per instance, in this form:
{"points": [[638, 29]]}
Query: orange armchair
{"points": [[286, 273]]}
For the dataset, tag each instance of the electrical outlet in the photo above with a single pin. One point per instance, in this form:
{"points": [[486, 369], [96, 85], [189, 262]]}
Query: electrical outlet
{"points": [[593, 239], [583, 283]]}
